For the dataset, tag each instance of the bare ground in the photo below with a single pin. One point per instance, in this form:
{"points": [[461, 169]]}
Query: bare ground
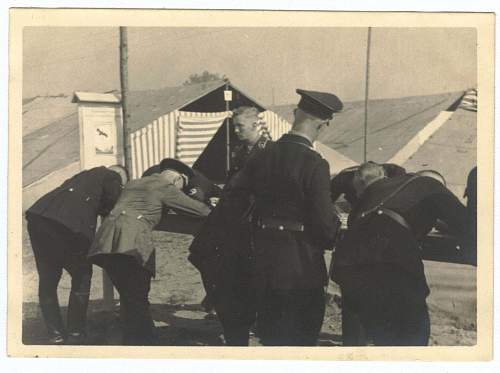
{"points": [[177, 290]]}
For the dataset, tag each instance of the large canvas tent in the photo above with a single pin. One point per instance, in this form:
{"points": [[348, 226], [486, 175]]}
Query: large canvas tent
{"points": [[188, 123]]}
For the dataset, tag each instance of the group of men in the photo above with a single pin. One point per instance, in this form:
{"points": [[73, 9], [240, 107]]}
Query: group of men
{"points": [[261, 249]]}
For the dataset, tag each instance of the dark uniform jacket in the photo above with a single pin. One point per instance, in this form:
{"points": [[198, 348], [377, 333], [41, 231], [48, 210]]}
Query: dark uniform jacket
{"points": [[377, 238], [242, 152], [128, 228], [293, 213], [78, 201], [218, 249]]}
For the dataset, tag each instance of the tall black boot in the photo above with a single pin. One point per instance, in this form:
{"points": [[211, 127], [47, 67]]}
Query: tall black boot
{"points": [[53, 320], [77, 317]]}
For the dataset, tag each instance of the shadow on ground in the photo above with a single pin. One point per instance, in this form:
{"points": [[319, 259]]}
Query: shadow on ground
{"points": [[176, 325]]}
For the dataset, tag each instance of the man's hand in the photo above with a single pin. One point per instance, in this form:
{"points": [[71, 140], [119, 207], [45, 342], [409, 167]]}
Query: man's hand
{"points": [[214, 201]]}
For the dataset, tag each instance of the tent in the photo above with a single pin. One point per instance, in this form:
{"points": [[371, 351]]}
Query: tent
{"points": [[188, 123]]}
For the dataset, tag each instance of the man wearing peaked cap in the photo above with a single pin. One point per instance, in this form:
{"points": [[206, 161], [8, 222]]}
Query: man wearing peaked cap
{"points": [[293, 223], [319, 104], [123, 245], [176, 165], [199, 187]]}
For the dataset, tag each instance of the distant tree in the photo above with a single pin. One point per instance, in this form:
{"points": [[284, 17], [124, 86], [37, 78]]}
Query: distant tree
{"points": [[204, 77]]}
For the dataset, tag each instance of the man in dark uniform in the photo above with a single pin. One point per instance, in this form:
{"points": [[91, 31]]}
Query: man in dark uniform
{"points": [[124, 247], [471, 194], [61, 226], [294, 224], [247, 127], [342, 184], [378, 264], [221, 250]]}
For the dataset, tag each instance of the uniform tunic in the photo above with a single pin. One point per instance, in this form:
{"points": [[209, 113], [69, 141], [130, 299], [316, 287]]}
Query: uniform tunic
{"points": [[378, 264], [128, 229], [290, 183], [295, 223], [61, 225], [221, 252], [242, 152], [78, 201], [225, 232]]}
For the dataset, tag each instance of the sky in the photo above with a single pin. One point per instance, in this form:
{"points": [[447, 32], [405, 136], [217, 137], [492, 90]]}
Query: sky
{"points": [[268, 64]]}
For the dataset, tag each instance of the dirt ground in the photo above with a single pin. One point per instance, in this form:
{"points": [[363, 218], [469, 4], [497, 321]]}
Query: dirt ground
{"points": [[177, 291]]}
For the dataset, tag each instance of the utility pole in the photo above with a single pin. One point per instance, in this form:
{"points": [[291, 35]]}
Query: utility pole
{"points": [[127, 156], [367, 80], [108, 294]]}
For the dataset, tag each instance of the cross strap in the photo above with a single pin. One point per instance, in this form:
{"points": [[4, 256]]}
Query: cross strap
{"points": [[389, 197]]}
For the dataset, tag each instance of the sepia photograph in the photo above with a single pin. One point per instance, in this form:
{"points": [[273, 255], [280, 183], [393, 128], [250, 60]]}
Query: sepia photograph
{"points": [[307, 180]]}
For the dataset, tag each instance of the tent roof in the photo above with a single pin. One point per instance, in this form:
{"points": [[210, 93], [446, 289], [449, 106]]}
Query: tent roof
{"points": [[451, 150], [147, 105], [391, 124], [336, 160]]}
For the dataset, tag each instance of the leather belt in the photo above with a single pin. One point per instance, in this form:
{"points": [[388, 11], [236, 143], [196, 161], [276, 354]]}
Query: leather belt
{"points": [[280, 224], [123, 212], [392, 214]]}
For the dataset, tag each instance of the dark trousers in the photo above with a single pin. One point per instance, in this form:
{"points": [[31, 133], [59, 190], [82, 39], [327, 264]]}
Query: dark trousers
{"points": [[390, 304], [234, 300], [353, 333], [133, 283], [56, 248], [290, 317]]}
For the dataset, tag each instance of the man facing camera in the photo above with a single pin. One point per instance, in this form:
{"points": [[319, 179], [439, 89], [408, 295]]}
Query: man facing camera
{"points": [[221, 251], [247, 127]]}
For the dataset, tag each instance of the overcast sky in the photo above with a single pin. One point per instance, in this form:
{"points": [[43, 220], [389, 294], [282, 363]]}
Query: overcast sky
{"points": [[403, 62]]}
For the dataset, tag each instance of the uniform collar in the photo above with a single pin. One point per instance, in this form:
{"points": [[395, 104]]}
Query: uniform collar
{"points": [[299, 137], [250, 147]]}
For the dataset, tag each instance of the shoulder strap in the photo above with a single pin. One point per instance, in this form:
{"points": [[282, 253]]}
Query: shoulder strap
{"points": [[389, 197]]}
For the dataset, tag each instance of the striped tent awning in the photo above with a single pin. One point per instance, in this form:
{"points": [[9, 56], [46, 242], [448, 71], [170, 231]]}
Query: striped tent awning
{"points": [[195, 130], [469, 101], [185, 136]]}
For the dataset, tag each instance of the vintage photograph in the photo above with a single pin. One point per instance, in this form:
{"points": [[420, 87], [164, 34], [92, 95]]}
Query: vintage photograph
{"points": [[260, 186]]}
